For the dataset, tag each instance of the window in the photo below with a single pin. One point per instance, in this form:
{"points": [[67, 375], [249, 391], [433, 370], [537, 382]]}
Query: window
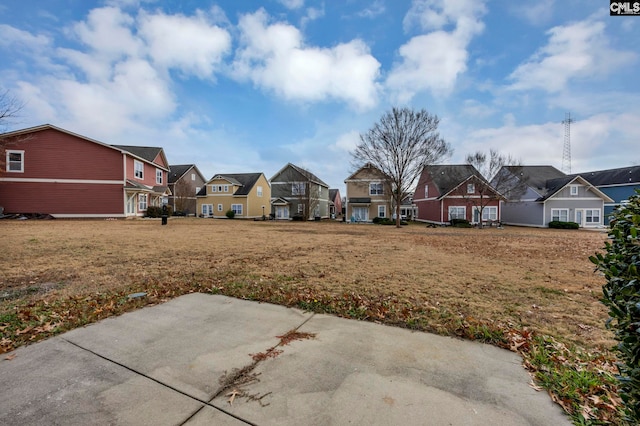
{"points": [[561, 215], [159, 176], [237, 209], [298, 188], [471, 188], [138, 169], [426, 191], [142, 202], [376, 189], [226, 188], [382, 211], [259, 191], [207, 210], [193, 176], [15, 161], [573, 189], [457, 213], [214, 188], [197, 189], [220, 188], [300, 208], [592, 216], [490, 213], [219, 207]]}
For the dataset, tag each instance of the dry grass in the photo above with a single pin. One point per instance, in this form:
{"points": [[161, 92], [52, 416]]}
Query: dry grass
{"points": [[536, 278], [533, 291]]}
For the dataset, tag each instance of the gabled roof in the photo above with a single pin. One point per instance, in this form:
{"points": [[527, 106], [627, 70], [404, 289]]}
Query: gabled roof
{"points": [[448, 177], [245, 181], [371, 166], [176, 172], [536, 177], [333, 193], [621, 176], [147, 153], [555, 185], [305, 173], [58, 129]]}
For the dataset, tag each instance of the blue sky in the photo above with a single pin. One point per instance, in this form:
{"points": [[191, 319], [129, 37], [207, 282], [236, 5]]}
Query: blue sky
{"points": [[245, 86]]}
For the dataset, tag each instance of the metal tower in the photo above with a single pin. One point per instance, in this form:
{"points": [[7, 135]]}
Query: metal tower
{"points": [[566, 151]]}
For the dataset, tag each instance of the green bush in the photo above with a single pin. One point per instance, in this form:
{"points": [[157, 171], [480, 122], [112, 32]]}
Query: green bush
{"points": [[230, 214], [460, 223], [620, 264], [563, 225], [297, 218]]}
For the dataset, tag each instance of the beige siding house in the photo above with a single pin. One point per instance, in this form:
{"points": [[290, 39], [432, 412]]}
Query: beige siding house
{"points": [[368, 195], [246, 194]]}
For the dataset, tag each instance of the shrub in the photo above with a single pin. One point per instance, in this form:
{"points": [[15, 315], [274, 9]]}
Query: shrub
{"points": [[230, 214], [460, 223], [563, 225], [376, 220], [620, 264], [297, 218]]}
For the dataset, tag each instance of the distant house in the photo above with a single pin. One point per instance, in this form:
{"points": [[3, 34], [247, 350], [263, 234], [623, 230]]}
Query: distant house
{"points": [[335, 203], [408, 209], [446, 192], [368, 194], [551, 195], [185, 181], [298, 192], [246, 194], [54, 171], [617, 184]]}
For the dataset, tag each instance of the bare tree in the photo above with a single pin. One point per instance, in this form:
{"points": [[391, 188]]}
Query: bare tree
{"points": [[400, 145], [183, 194], [10, 107], [492, 184]]}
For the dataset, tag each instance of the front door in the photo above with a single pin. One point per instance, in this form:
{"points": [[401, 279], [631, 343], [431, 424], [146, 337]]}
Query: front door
{"points": [[282, 212], [579, 217], [131, 204], [361, 214]]}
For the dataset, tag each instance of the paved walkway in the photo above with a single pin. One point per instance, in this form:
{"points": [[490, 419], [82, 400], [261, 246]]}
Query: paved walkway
{"points": [[213, 360]]}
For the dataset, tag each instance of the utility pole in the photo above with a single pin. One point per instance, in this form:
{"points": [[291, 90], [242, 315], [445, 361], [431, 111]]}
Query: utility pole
{"points": [[566, 151]]}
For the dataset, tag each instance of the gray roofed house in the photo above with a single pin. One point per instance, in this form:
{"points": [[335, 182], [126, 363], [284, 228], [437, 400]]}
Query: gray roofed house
{"points": [[148, 153], [551, 195], [306, 194], [185, 181], [455, 191], [619, 184], [248, 195]]}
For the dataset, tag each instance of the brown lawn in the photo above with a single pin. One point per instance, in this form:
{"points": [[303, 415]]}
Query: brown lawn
{"points": [[535, 278]]}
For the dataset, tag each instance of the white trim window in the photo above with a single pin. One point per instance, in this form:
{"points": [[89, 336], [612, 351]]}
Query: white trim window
{"points": [[159, 176], [426, 191], [561, 215], [259, 191], [457, 212], [207, 210], [298, 188], [237, 209], [142, 202], [300, 208], [376, 188], [226, 188], [138, 169], [471, 188], [197, 189], [573, 190], [15, 161], [193, 176], [592, 216], [214, 188], [220, 207], [490, 213], [382, 211]]}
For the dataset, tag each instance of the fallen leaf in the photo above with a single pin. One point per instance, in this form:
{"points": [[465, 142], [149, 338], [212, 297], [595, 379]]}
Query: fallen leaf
{"points": [[232, 395], [10, 357]]}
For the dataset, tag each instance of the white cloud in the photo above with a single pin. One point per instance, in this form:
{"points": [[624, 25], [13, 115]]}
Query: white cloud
{"points": [[579, 50], [536, 12], [433, 61], [346, 142], [292, 4], [13, 37], [374, 9], [274, 57], [190, 44]]}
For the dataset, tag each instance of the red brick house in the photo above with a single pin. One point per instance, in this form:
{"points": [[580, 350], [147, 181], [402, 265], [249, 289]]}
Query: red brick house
{"points": [[446, 192], [50, 170]]}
